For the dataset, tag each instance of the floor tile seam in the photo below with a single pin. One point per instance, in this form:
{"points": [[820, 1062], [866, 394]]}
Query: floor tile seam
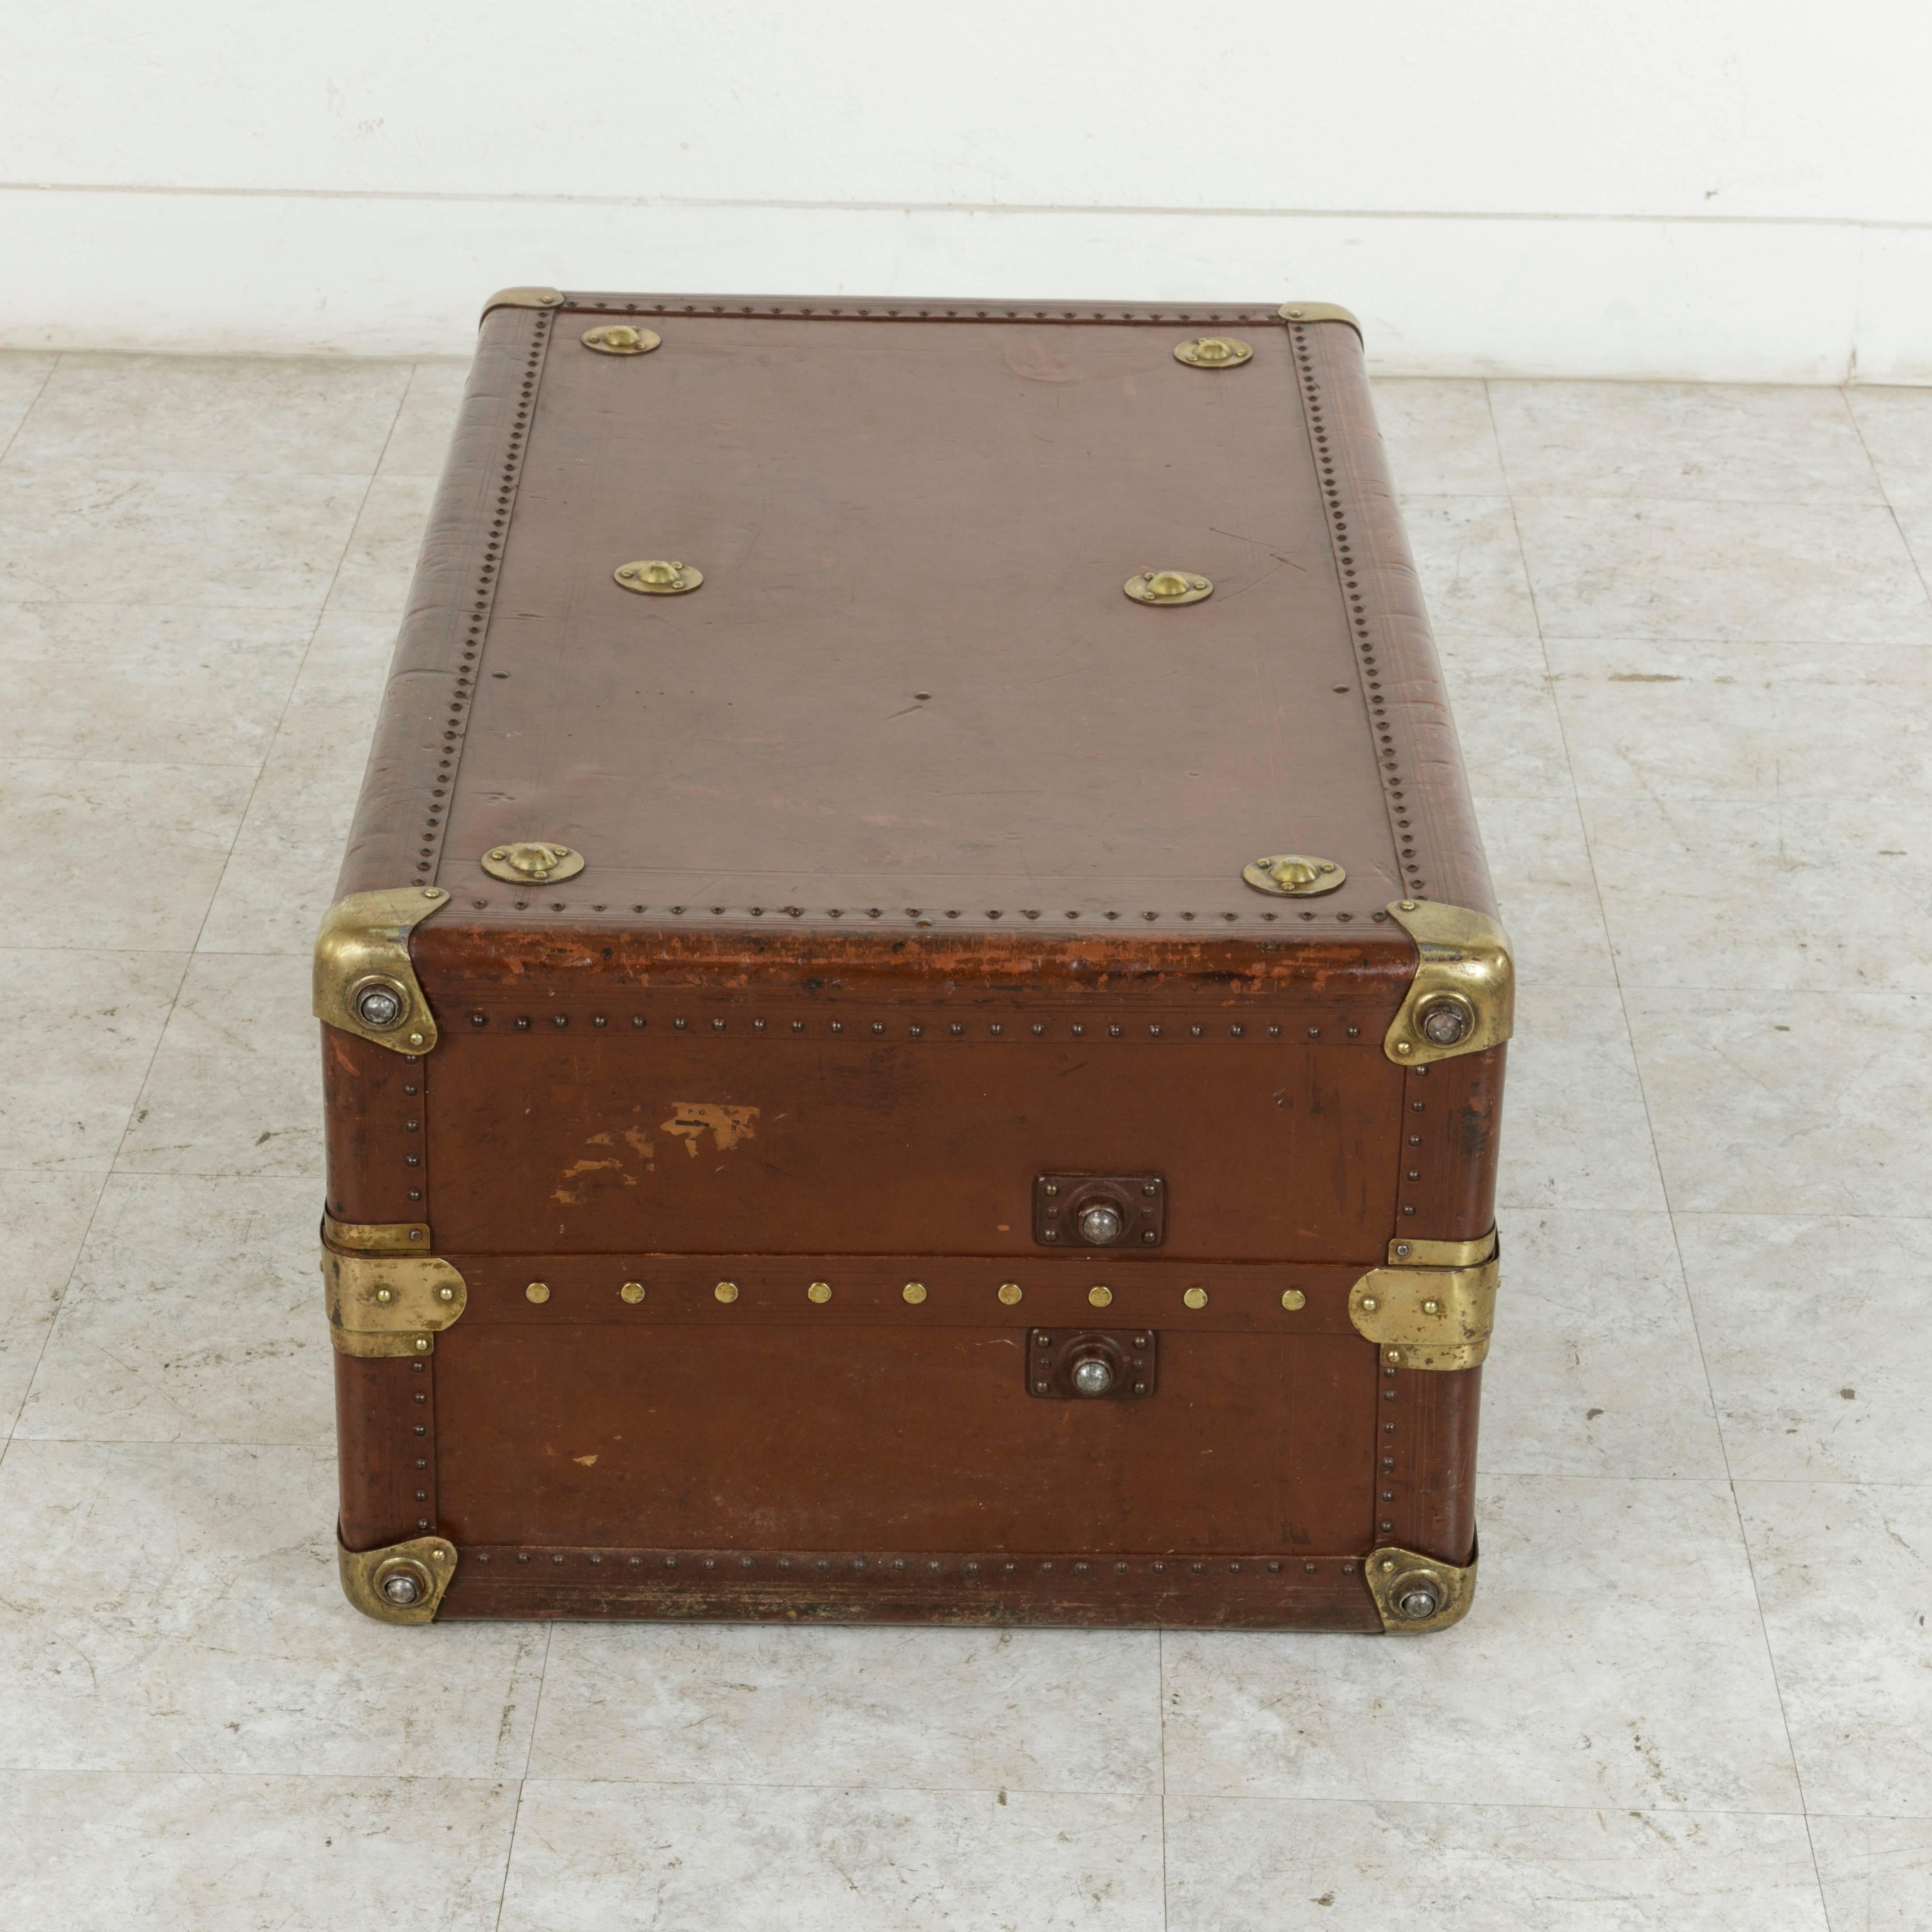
{"points": [[530, 1739], [306, 609], [60, 1299], [20, 465], [13, 436], [1501, 1804], [1918, 568], [1807, 502], [302, 664], [1781, 640]]}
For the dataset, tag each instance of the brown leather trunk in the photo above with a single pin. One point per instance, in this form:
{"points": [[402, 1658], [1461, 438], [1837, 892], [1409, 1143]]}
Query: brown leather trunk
{"points": [[851, 1094]]}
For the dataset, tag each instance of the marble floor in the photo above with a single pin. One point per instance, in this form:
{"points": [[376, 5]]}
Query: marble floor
{"points": [[1691, 640]]}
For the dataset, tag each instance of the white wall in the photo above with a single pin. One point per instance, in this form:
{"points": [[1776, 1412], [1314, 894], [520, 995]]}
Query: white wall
{"points": [[1736, 189]]}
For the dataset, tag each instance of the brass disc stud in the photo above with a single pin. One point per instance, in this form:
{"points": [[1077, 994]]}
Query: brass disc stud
{"points": [[632, 1291], [531, 862], [819, 1291], [620, 338], [1195, 1297], [652, 577], [1010, 1291], [1294, 875], [1168, 586], [1101, 1297], [913, 1292], [1213, 352]]}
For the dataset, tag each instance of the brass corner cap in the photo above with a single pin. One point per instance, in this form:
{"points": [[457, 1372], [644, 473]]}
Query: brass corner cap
{"points": [[1306, 311], [521, 299], [1462, 999], [364, 983], [1415, 1594], [403, 1583]]}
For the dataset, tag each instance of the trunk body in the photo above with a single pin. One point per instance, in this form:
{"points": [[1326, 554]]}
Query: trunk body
{"points": [[728, 1248]]}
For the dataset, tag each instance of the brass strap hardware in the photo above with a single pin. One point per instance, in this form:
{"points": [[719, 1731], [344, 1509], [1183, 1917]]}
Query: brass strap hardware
{"points": [[652, 577], [620, 338], [1462, 999], [522, 299], [376, 1237], [1427, 1317], [1168, 586], [387, 1305], [1302, 311], [1213, 352], [1415, 1594], [403, 1583], [1406, 1251], [1294, 875], [363, 981], [532, 862]]}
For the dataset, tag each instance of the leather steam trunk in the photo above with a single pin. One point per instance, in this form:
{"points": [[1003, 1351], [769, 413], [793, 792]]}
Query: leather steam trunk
{"points": [[914, 1021]]}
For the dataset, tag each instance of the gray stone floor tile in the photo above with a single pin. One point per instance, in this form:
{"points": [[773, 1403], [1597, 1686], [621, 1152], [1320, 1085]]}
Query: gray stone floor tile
{"points": [[93, 1851], [193, 1315], [1877, 1873], [1613, 1657], [1844, 1576], [1596, 1369], [914, 1707], [1738, 443], [259, 416], [1814, 1341], [128, 855], [43, 1219], [1249, 1865], [154, 686], [1440, 439], [1786, 1103], [75, 533], [1767, 723], [175, 1607], [1790, 870], [1797, 573], [236, 1084], [629, 1858], [23, 375], [77, 1032], [1579, 1134]]}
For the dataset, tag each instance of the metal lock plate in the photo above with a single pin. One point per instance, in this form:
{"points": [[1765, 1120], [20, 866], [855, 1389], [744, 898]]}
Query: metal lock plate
{"points": [[1091, 1364], [1100, 1211]]}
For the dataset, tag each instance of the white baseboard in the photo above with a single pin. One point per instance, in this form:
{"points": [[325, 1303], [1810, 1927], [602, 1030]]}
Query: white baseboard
{"points": [[273, 274]]}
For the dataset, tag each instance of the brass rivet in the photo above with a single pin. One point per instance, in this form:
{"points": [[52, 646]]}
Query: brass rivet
{"points": [[415, 1039], [384, 1295], [1401, 1046], [1393, 1355], [1369, 1304], [1168, 586], [537, 1290], [1388, 1562], [1195, 1297], [1408, 905], [1432, 1308], [656, 576], [1009, 1292], [632, 1291], [819, 1291], [446, 1294], [1293, 1297], [914, 1291], [726, 1290], [422, 1345], [1101, 1297]]}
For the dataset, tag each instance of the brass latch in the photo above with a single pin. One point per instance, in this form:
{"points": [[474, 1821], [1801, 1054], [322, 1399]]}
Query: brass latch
{"points": [[1428, 1317], [389, 1304], [1295, 875], [1168, 586], [1213, 352], [532, 862], [1462, 999]]}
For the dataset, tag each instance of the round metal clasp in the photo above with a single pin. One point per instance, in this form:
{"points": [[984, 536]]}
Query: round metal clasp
{"points": [[530, 863], [621, 338], [1294, 875], [1213, 352], [1168, 586], [654, 577], [378, 1002]]}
